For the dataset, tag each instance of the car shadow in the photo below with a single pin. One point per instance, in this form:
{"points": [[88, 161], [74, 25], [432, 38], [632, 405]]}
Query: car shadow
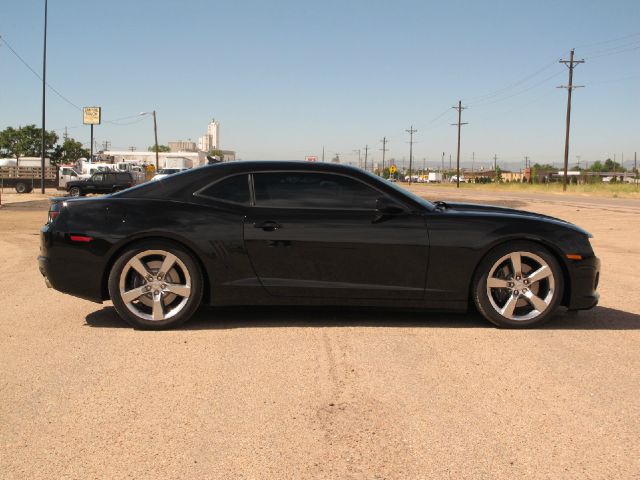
{"points": [[211, 318]]}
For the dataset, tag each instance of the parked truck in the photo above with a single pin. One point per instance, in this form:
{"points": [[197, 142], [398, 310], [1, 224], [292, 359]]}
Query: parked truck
{"points": [[434, 177], [25, 179], [178, 162]]}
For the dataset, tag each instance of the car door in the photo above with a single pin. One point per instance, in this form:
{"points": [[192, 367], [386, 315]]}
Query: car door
{"points": [[317, 234], [94, 183]]}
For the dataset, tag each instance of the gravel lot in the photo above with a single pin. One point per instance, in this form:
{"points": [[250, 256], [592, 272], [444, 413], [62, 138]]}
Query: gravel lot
{"points": [[311, 393]]}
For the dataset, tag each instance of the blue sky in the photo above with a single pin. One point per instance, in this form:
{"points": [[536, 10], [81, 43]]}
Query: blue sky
{"points": [[285, 78]]}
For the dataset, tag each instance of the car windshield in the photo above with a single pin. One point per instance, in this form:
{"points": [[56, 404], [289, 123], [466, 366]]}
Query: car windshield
{"points": [[426, 203]]}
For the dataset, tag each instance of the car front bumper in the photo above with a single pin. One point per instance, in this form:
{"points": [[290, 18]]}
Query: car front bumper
{"points": [[585, 276]]}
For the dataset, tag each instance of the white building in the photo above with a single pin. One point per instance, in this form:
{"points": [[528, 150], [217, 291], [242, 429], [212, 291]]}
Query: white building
{"points": [[182, 146], [210, 140]]}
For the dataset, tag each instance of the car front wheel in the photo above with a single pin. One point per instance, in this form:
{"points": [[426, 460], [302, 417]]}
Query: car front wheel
{"points": [[518, 285], [75, 191], [155, 285]]}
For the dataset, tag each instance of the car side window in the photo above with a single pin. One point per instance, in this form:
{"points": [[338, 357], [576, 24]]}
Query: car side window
{"points": [[98, 177], [233, 189], [313, 190]]}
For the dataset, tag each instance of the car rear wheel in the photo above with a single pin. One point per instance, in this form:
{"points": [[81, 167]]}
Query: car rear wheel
{"points": [[155, 285], [75, 191], [518, 285]]}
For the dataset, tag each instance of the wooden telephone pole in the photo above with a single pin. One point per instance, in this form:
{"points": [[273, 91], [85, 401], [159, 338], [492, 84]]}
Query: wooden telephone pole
{"points": [[459, 108], [571, 63], [411, 131]]}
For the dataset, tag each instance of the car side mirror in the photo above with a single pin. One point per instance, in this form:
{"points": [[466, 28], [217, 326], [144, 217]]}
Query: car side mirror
{"points": [[386, 206]]}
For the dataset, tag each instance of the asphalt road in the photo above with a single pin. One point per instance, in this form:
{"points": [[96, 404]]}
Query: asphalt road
{"points": [[312, 393]]}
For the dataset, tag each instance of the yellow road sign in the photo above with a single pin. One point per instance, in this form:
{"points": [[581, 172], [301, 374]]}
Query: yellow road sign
{"points": [[393, 169]]}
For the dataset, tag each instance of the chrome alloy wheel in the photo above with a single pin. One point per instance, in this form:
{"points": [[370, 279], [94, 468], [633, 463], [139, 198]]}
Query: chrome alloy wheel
{"points": [[155, 285], [520, 286]]}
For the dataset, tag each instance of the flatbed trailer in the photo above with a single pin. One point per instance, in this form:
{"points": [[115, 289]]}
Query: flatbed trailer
{"points": [[25, 179]]}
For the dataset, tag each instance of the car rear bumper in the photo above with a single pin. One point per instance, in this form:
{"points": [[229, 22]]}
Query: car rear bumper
{"points": [[69, 268]]}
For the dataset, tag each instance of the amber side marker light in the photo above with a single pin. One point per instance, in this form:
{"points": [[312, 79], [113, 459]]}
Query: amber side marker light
{"points": [[80, 238], [573, 256]]}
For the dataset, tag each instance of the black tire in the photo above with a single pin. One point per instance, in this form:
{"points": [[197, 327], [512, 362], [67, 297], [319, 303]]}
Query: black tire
{"points": [[75, 192], [22, 187], [533, 257], [134, 312]]}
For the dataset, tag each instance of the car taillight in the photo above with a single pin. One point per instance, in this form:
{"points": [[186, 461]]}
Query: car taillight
{"points": [[54, 211]]}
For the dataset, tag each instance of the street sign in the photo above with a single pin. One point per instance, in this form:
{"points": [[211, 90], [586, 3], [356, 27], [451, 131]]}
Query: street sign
{"points": [[393, 169], [91, 115], [311, 158]]}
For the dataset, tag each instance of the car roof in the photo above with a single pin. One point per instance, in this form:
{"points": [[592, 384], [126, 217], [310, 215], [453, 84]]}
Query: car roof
{"points": [[180, 186]]}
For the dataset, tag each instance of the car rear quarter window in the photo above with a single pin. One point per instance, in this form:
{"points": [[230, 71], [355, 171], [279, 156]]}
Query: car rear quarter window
{"points": [[313, 190], [233, 189]]}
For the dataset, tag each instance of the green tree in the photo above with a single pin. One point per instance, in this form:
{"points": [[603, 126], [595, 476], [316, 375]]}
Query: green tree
{"points": [[70, 151], [161, 148], [541, 170], [611, 166], [596, 166], [26, 142], [217, 153]]}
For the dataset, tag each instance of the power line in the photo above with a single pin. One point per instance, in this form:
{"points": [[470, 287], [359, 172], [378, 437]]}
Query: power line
{"points": [[614, 48], [24, 62], [531, 87], [611, 40], [511, 85]]}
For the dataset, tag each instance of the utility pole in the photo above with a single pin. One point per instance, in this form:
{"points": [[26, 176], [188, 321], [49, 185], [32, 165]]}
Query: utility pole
{"points": [[155, 133], [459, 108], [571, 63], [384, 150], [450, 167], [442, 169], [495, 167], [473, 161], [65, 135], [323, 154], [411, 131], [366, 155], [359, 159], [106, 145], [44, 86]]}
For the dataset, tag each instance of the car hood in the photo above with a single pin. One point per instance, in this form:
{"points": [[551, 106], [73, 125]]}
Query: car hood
{"points": [[510, 212]]}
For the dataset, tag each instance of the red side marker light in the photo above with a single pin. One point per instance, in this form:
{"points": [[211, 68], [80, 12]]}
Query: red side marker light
{"points": [[572, 256], [80, 238]]}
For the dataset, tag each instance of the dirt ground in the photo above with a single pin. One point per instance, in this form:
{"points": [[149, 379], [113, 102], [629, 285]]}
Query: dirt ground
{"points": [[308, 393]]}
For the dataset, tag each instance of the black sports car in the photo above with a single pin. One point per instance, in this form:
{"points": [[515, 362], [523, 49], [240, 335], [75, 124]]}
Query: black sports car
{"points": [[299, 233]]}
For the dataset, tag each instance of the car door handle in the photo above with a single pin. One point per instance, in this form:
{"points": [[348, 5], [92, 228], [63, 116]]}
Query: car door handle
{"points": [[268, 226]]}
